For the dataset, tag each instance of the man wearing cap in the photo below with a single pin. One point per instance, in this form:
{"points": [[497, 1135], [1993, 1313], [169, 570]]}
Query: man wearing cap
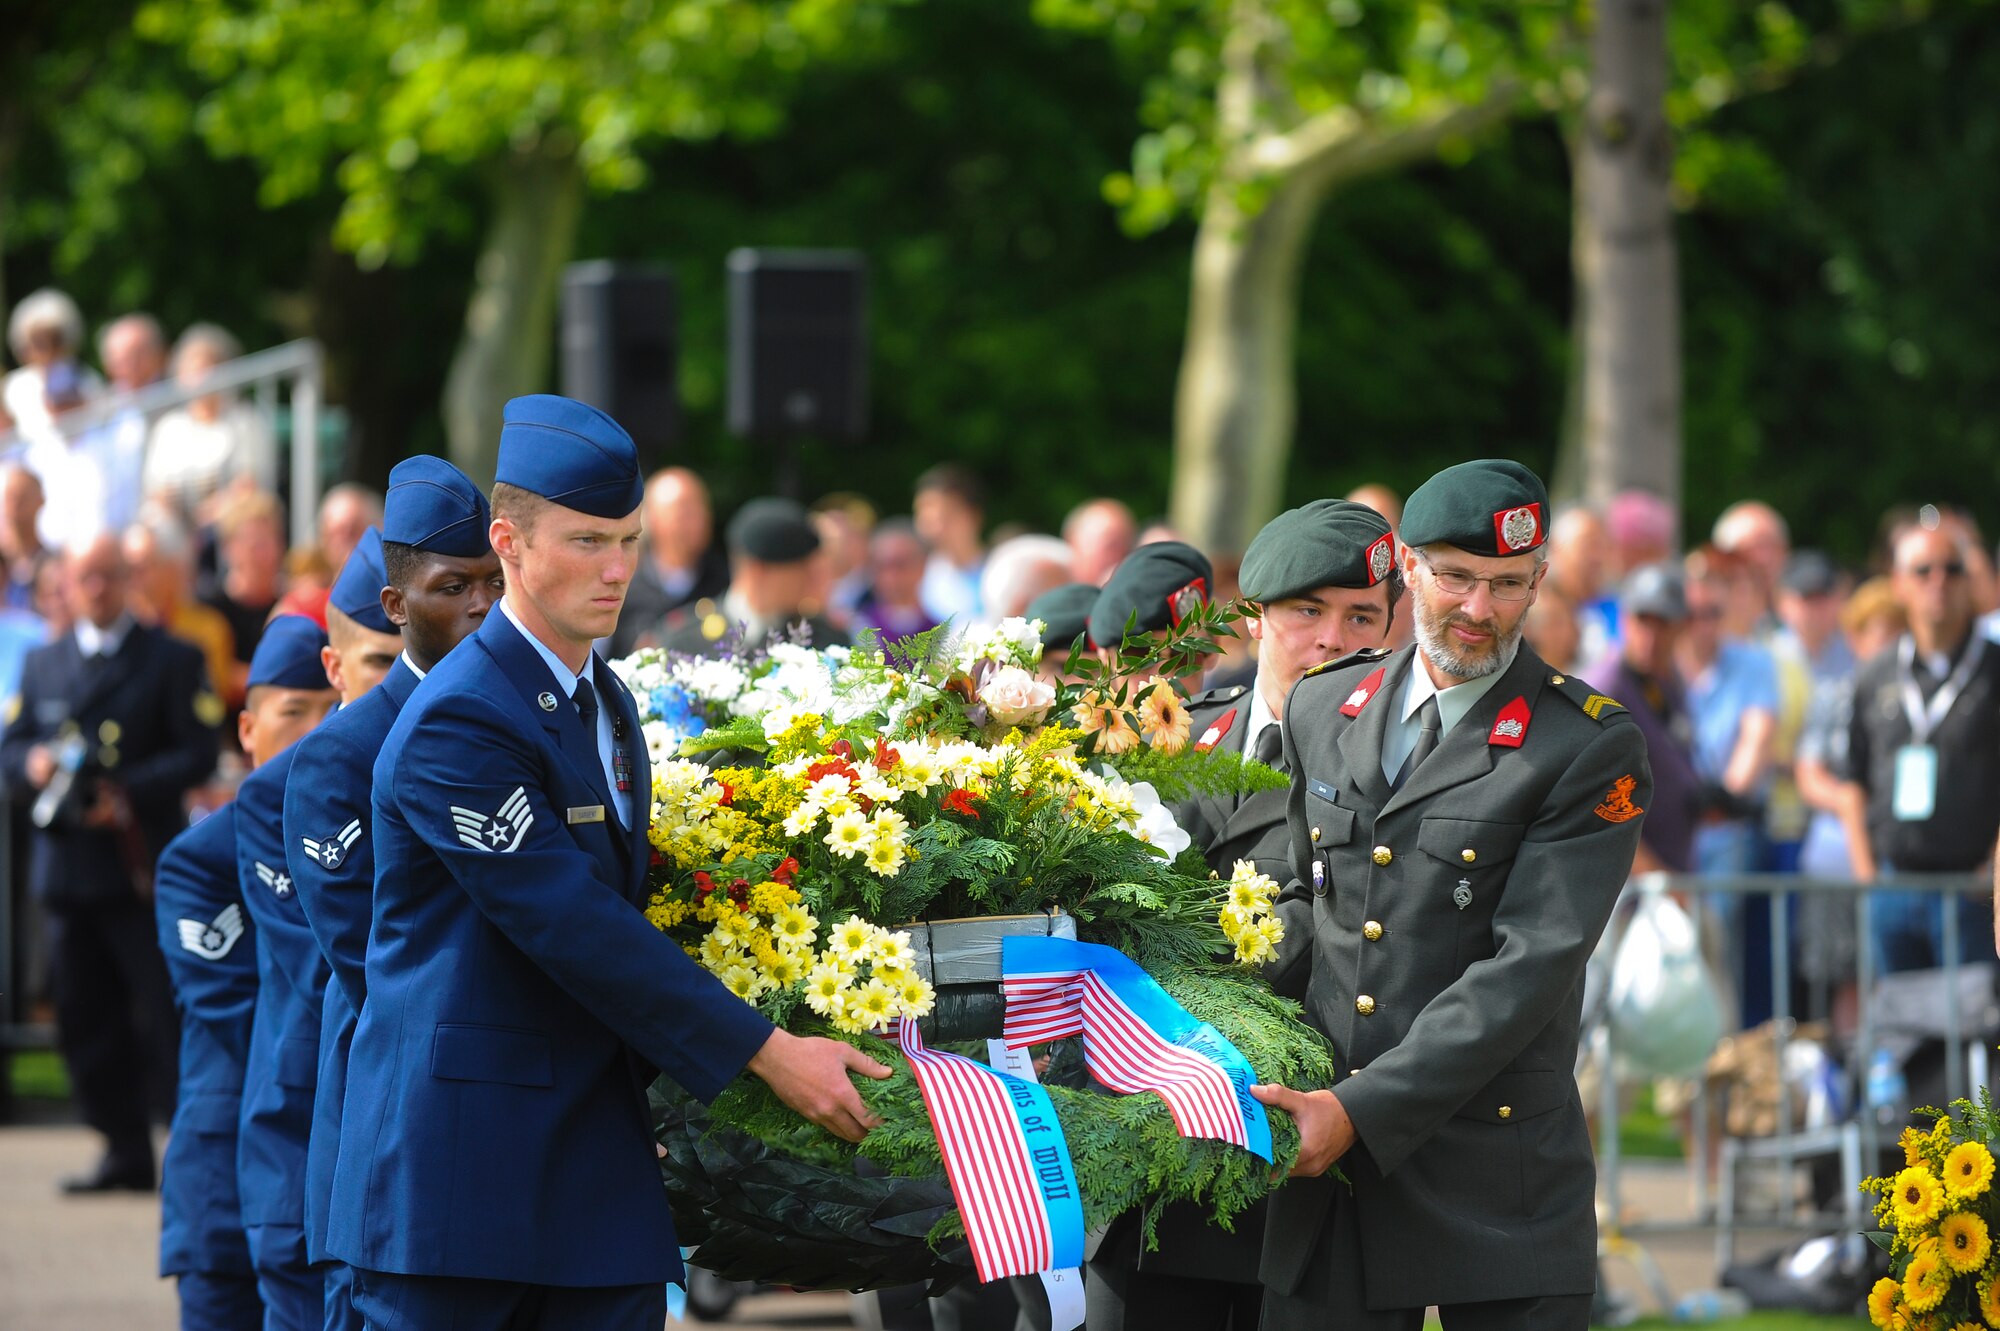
{"points": [[1065, 615], [1321, 582], [1462, 818], [441, 577], [291, 978], [113, 724], [497, 1166], [211, 951], [1156, 587], [771, 548]]}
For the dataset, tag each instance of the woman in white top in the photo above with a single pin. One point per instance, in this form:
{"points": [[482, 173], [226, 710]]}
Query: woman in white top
{"points": [[214, 443], [44, 332]]}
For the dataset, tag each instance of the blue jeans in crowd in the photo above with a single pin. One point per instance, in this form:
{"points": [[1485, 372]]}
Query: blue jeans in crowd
{"points": [[1906, 929]]}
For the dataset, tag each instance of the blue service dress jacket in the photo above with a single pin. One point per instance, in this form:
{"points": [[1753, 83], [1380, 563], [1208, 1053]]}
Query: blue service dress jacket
{"points": [[496, 1124], [284, 1038], [332, 861], [211, 951]]}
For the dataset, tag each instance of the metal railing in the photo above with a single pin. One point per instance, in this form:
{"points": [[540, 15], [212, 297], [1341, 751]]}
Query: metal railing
{"points": [[299, 366], [1788, 1145]]}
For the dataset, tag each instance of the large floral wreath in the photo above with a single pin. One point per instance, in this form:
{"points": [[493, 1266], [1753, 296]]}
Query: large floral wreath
{"points": [[810, 806]]}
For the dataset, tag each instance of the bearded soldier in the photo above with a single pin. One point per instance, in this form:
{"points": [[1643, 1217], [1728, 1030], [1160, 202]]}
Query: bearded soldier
{"points": [[1461, 818]]}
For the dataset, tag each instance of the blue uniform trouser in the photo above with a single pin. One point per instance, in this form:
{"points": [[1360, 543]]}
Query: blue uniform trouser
{"points": [[213, 1301], [294, 1293], [341, 1314], [445, 1303]]}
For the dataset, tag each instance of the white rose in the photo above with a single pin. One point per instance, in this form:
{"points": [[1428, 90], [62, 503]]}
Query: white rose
{"points": [[1013, 697]]}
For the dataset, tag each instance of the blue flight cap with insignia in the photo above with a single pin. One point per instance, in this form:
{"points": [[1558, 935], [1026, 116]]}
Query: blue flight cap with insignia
{"points": [[1327, 543], [571, 454], [1064, 612], [1161, 583], [357, 592], [434, 506], [1492, 507], [772, 531], [287, 656]]}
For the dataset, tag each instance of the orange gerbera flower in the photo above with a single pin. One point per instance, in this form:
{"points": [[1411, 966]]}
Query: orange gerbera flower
{"points": [[1164, 718]]}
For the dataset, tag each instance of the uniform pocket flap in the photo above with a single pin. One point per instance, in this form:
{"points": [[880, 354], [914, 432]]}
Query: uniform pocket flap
{"points": [[1468, 841], [298, 1062], [1331, 824], [1513, 1096], [491, 1053], [209, 1113]]}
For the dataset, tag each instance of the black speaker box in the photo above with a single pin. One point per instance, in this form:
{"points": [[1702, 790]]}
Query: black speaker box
{"points": [[798, 344], [621, 348]]}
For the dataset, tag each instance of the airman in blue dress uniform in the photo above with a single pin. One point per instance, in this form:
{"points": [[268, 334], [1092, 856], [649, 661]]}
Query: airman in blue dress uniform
{"points": [[284, 1048], [210, 947], [497, 1166], [438, 577]]}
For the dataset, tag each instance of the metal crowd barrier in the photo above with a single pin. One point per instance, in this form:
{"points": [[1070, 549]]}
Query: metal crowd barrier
{"points": [[300, 364], [1859, 1138]]}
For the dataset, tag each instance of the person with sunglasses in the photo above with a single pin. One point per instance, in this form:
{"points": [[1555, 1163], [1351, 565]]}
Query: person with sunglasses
{"points": [[1462, 817], [1923, 749]]}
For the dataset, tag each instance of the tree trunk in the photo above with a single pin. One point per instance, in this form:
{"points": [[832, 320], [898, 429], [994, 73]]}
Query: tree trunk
{"points": [[1626, 277], [1236, 399], [509, 322]]}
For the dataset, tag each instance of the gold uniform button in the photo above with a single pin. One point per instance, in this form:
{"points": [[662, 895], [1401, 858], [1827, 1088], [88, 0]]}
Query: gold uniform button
{"points": [[1506, 1111], [1557, 679], [1468, 854], [1315, 834], [1364, 1005], [109, 732], [1372, 930], [1383, 855]]}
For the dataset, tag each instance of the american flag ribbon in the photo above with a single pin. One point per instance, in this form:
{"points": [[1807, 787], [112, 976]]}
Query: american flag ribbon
{"points": [[1006, 1160], [1135, 1037]]}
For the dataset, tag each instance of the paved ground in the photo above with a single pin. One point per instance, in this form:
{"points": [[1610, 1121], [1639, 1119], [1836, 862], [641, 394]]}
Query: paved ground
{"points": [[87, 1264]]}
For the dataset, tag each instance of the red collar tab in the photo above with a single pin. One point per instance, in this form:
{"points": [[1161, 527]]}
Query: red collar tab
{"points": [[1512, 726], [1518, 529], [1363, 692], [1213, 735], [1381, 558]]}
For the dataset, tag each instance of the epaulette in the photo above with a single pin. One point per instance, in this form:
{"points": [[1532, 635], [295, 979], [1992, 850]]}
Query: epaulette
{"points": [[1595, 705], [1227, 693], [1366, 656]]}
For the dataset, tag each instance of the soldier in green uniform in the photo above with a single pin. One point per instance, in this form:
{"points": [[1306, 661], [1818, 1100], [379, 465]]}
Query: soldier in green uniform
{"points": [[1462, 818], [1320, 582], [771, 546]]}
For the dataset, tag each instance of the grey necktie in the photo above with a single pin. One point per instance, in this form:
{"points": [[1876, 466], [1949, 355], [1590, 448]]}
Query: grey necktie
{"points": [[1429, 723], [1271, 747]]}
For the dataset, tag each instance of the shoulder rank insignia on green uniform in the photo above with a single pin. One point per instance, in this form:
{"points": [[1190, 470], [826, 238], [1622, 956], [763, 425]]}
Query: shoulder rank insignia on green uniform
{"points": [[1595, 705], [1352, 658]]}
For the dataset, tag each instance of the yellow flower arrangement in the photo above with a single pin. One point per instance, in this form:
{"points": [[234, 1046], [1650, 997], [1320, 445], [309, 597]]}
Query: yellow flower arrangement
{"points": [[1246, 915], [1927, 1279], [1937, 1216], [1918, 1198]]}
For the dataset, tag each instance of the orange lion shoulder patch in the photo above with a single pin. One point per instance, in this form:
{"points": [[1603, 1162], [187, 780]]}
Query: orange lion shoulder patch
{"points": [[1618, 806]]}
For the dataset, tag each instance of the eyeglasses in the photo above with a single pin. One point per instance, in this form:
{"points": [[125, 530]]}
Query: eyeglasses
{"points": [[1921, 572], [1457, 582]]}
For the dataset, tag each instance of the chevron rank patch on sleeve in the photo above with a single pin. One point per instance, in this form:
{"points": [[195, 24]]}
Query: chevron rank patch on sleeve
{"points": [[212, 941], [500, 832], [332, 852], [277, 880]]}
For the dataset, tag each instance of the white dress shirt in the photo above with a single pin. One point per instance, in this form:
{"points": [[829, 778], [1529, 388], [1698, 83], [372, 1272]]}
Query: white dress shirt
{"points": [[566, 679], [1453, 704]]}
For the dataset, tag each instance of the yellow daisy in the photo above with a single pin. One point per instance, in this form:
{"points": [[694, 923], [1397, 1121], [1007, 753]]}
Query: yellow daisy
{"points": [[1882, 1301], [893, 949], [1918, 1197], [915, 997], [1927, 1279], [825, 988], [1967, 1326], [1963, 1240], [741, 981], [783, 970], [853, 940], [872, 1004], [1252, 947], [885, 857], [1913, 1143], [848, 835], [1968, 1170], [794, 924], [1989, 1301]]}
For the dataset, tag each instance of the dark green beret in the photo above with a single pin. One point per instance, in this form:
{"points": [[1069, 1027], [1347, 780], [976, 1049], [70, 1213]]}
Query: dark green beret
{"points": [[1064, 612], [775, 531], [1161, 583], [1327, 543], [1490, 507]]}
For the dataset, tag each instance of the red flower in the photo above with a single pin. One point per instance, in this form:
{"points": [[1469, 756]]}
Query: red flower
{"points": [[786, 871], [961, 801], [739, 890], [886, 758], [728, 793], [833, 767], [703, 884], [840, 748]]}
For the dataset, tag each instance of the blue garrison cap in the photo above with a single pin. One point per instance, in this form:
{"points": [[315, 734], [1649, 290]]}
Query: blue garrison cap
{"points": [[434, 506], [287, 656], [571, 454], [357, 592]]}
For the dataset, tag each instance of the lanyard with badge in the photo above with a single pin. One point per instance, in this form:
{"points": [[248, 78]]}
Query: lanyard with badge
{"points": [[1914, 798]]}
